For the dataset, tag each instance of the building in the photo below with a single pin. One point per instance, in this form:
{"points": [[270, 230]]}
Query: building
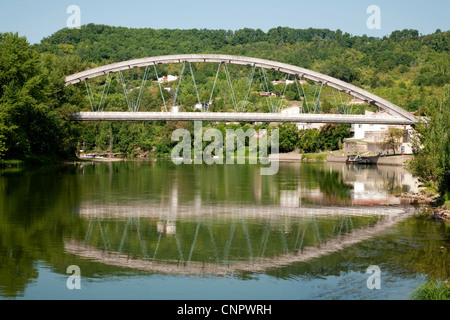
{"points": [[375, 134], [296, 110], [291, 111], [287, 82], [357, 101], [167, 79], [267, 94]]}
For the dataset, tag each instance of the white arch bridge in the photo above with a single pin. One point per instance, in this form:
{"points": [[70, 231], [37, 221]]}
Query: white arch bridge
{"points": [[309, 114]]}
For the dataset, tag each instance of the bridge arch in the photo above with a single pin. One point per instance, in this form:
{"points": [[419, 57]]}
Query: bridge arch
{"points": [[299, 72]]}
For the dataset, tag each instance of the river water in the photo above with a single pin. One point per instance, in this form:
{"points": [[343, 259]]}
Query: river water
{"points": [[154, 230]]}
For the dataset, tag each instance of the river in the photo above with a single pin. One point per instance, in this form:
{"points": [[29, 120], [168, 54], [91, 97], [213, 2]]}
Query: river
{"points": [[154, 230]]}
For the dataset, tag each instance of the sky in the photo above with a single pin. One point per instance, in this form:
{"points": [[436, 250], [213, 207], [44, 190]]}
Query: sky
{"points": [[39, 19]]}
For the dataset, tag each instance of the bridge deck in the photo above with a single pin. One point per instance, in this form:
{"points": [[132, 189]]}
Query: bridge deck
{"points": [[237, 117]]}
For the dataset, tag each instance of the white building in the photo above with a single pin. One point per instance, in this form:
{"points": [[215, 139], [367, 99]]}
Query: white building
{"points": [[357, 101], [376, 133], [291, 111], [167, 79], [295, 111], [287, 82], [370, 132]]}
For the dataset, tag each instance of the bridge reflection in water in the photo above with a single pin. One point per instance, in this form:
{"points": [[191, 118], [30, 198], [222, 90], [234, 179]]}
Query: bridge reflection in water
{"points": [[221, 240]]}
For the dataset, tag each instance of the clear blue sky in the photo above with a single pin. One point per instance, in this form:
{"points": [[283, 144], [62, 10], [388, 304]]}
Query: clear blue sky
{"points": [[37, 19]]}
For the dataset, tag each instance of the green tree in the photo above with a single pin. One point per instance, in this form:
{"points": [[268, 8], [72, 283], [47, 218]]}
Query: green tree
{"points": [[34, 102], [288, 137], [332, 135], [392, 139], [432, 143], [310, 140]]}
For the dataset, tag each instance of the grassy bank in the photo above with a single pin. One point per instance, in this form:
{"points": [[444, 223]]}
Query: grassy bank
{"points": [[314, 157], [432, 290]]}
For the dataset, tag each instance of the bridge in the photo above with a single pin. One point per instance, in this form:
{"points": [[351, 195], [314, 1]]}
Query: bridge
{"points": [[309, 113]]}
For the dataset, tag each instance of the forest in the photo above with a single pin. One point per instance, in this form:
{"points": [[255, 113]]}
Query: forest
{"points": [[406, 68]]}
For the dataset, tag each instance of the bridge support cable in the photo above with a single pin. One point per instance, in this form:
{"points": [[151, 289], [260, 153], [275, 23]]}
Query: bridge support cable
{"points": [[214, 87], [298, 91], [106, 87], [125, 91], [213, 242], [179, 84], [105, 92], [142, 89], [317, 231], [335, 102], [301, 240], [195, 85], [264, 240], [306, 99], [250, 82], [228, 244], [193, 243], [282, 93], [140, 238], [351, 224], [352, 105], [344, 106], [266, 90], [134, 106], [125, 231], [316, 101], [87, 237], [104, 236], [283, 240], [230, 85], [160, 88], [90, 95], [180, 252], [157, 246], [247, 236]]}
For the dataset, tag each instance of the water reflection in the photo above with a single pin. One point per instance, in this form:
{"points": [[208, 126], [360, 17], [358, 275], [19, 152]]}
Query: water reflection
{"points": [[223, 242], [222, 220], [296, 184]]}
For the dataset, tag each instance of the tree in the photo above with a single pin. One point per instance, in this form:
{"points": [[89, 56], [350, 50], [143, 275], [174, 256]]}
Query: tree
{"points": [[310, 140], [331, 136], [34, 103], [432, 143], [288, 137], [392, 139]]}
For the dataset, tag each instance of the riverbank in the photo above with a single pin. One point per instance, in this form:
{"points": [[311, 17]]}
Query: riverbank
{"points": [[389, 161], [428, 200], [332, 157]]}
